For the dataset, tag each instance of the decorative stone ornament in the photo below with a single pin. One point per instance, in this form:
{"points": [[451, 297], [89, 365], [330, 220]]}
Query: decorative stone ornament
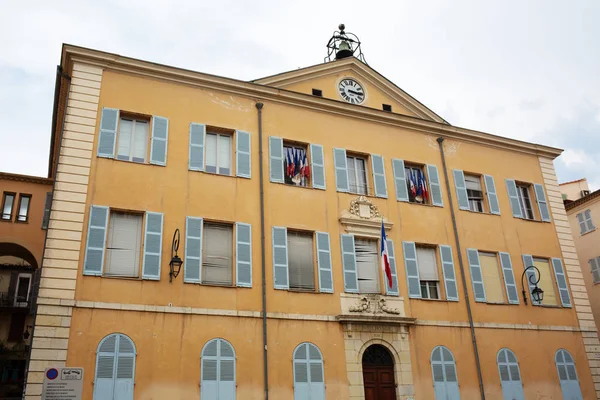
{"points": [[363, 218]]}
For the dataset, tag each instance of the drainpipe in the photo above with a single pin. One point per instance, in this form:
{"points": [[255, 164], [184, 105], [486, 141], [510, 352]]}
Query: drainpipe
{"points": [[440, 141], [259, 107]]}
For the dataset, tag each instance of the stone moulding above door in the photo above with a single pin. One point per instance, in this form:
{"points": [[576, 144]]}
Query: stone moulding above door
{"points": [[363, 218]]}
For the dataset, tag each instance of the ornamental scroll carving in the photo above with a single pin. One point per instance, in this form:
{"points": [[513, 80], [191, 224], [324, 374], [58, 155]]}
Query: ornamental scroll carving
{"points": [[364, 305], [363, 208]]}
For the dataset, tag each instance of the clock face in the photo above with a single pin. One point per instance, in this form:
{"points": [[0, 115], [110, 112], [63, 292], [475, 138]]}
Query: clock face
{"points": [[351, 91]]}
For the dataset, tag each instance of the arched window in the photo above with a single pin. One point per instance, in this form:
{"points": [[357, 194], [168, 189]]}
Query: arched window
{"points": [[218, 371], [445, 381], [569, 383], [309, 382], [115, 368], [510, 375]]}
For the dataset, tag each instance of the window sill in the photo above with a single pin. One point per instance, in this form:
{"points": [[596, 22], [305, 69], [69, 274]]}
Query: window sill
{"points": [[532, 220], [6, 220], [499, 304], [548, 306], [128, 278], [130, 162], [21, 222], [213, 285], [585, 233], [482, 213], [297, 186], [436, 300], [310, 291], [418, 204]]}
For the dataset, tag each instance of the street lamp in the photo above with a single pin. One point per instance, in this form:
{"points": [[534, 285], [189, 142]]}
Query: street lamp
{"points": [[537, 294], [176, 262]]}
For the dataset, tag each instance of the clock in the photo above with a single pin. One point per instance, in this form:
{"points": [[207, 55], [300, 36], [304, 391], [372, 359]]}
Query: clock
{"points": [[351, 91]]}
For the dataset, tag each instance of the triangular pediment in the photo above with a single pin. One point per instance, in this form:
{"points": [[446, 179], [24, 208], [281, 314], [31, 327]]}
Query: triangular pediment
{"points": [[326, 77]]}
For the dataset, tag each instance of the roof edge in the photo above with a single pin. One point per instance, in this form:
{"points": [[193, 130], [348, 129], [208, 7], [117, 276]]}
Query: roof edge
{"points": [[25, 178], [583, 200]]}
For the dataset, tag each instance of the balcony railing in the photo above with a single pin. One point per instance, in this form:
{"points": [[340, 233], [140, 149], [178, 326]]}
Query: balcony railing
{"points": [[12, 300]]}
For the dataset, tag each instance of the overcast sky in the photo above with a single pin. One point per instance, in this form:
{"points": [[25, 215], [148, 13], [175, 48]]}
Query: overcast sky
{"points": [[522, 69]]}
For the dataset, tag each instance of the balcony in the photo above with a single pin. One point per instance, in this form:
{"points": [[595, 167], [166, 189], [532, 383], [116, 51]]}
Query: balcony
{"points": [[15, 302]]}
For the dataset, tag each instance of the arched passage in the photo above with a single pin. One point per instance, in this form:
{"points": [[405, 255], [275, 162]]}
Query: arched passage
{"points": [[378, 373], [16, 250]]}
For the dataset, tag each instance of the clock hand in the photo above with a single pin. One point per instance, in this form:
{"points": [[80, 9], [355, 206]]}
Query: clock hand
{"points": [[353, 92]]}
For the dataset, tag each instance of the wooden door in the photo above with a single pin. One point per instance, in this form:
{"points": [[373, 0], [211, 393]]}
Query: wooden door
{"points": [[378, 374]]}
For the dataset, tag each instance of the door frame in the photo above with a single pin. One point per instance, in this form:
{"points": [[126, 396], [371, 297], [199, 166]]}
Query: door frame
{"points": [[16, 302]]}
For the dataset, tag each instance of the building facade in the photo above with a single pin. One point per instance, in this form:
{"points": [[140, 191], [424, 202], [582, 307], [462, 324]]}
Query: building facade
{"points": [[279, 189], [574, 190]]}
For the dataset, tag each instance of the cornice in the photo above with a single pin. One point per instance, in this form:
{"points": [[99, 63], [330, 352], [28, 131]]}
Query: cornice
{"points": [[589, 199], [25, 178]]}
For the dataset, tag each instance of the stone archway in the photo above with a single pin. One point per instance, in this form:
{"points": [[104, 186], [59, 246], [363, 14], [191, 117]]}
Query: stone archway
{"points": [[378, 373], [18, 251]]}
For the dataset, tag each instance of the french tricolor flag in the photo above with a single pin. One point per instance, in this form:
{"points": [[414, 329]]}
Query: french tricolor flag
{"points": [[385, 258]]}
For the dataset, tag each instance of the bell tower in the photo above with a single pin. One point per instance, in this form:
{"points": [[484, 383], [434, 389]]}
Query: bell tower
{"points": [[343, 45]]}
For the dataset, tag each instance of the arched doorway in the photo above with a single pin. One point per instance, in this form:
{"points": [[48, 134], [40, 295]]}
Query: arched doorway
{"points": [[378, 373]]}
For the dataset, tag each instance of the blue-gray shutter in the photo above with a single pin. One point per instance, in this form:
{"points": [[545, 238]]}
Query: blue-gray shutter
{"points": [[276, 159], [540, 196], [104, 378], [242, 152], [324, 262], [243, 254], [393, 291], [567, 375], [461, 189], [412, 269], [449, 274], [309, 382], [341, 170], [492, 194], [218, 375], [160, 139], [511, 188], [561, 281], [152, 246], [435, 189], [125, 369], [108, 132], [96, 240], [530, 275], [197, 138], [317, 166], [349, 264], [510, 375], [379, 176], [280, 258], [445, 379], [400, 179], [192, 271], [509, 278], [476, 275]]}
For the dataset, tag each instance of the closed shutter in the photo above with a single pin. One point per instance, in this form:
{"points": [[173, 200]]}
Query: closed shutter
{"points": [[242, 152], [341, 170], [193, 250], [448, 271], [393, 291], [309, 382], [217, 254], [588, 220], [96, 238], [276, 159], [595, 268], [445, 380], [324, 262], [567, 375], [280, 258], [400, 179], [435, 188], [476, 275], [349, 264], [582, 224], [160, 137], [379, 176], [367, 266], [115, 368], [47, 205], [125, 370], [243, 254], [317, 166], [218, 371], [461, 189], [561, 282], [510, 375], [301, 269], [152, 246], [511, 188], [197, 139], [412, 269], [509, 278], [492, 194], [108, 132], [540, 196], [123, 245], [531, 276]]}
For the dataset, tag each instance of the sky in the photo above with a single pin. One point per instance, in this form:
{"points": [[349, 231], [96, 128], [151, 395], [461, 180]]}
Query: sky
{"points": [[527, 70]]}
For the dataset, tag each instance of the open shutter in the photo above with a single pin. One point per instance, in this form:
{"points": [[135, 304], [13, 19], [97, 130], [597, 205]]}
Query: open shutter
{"points": [[561, 281], [412, 269], [280, 259], [47, 205], [317, 166], [324, 262], [476, 275], [152, 246], [96, 238], [276, 159], [243, 254], [509, 278], [393, 291], [582, 225], [379, 176], [349, 264], [448, 271], [400, 179], [540, 196], [461, 189], [242, 153], [108, 132], [595, 269], [341, 170], [511, 188], [435, 188], [193, 250], [492, 195], [160, 136], [531, 276], [197, 138]]}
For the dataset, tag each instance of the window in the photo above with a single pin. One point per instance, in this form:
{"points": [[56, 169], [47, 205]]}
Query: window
{"points": [[133, 140], [510, 375], [491, 277], [23, 210], [115, 368], [428, 273], [443, 370], [123, 244], [309, 382], [485, 277], [22, 290], [218, 153], [546, 281], [567, 375], [367, 265], [295, 165], [595, 269], [585, 222], [357, 174], [16, 329], [218, 371], [7, 205], [416, 184], [317, 92], [217, 261], [474, 193], [386, 107], [300, 264], [525, 201]]}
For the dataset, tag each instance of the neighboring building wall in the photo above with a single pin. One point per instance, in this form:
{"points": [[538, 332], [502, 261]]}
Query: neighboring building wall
{"points": [[574, 190]]}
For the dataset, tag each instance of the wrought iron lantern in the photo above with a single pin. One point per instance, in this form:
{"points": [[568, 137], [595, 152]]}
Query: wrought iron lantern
{"points": [[176, 262], [537, 294]]}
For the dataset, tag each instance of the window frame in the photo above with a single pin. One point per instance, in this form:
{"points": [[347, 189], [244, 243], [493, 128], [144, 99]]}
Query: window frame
{"points": [[219, 132], [408, 168], [142, 215], [232, 248], [299, 146], [585, 222], [471, 198], [16, 302], [12, 206], [380, 281], [365, 159], [428, 283], [552, 279], [501, 279], [527, 188], [18, 213], [315, 288], [134, 118]]}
